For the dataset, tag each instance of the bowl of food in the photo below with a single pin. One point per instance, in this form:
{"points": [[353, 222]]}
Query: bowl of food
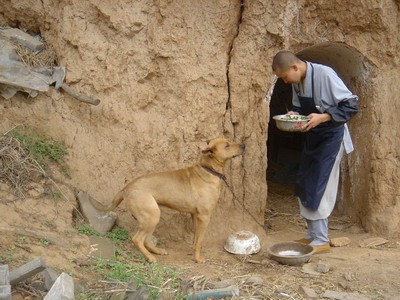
{"points": [[290, 122], [242, 242], [291, 253]]}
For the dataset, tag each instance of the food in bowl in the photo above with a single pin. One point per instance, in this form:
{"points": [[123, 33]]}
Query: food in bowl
{"points": [[290, 122]]}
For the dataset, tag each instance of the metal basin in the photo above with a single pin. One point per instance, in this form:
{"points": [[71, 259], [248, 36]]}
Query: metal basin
{"points": [[291, 253], [242, 242], [290, 123]]}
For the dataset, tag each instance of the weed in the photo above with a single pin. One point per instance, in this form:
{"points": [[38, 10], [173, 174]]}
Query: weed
{"points": [[87, 230], [118, 234], [53, 194], [152, 276], [21, 239], [43, 150], [44, 241]]}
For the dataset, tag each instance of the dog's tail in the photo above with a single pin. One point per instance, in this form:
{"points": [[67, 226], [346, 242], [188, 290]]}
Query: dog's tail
{"points": [[116, 201]]}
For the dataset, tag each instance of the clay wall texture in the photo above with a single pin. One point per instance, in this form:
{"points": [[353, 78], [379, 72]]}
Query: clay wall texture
{"points": [[172, 74]]}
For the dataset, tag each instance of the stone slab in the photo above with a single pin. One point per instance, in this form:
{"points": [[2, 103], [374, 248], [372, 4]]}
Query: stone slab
{"points": [[99, 220], [62, 289], [101, 247], [27, 270], [4, 275], [50, 276]]}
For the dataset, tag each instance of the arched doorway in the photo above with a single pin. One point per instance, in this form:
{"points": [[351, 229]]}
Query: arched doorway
{"points": [[284, 149]]}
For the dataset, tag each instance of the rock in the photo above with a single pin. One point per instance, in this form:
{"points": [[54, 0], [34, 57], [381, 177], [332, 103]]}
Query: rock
{"points": [[340, 242], [254, 280], [101, 247], [221, 284], [141, 294], [322, 267], [343, 296], [50, 276], [165, 295], [99, 220], [35, 190], [118, 295], [5, 292], [373, 242], [27, 270], [62, 289], [349, 276], [308, 293], [4, 275], [310, 269]]}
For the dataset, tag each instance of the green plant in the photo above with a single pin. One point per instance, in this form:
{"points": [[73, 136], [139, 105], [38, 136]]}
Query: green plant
{"points": [[40, 148], [43, 150], [21, 239], [87, 230], [152, 276], [44, 241], [118, 234]]}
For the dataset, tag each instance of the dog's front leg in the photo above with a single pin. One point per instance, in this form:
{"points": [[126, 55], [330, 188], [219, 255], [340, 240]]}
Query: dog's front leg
{"points": [[201, 224], [194, 221]]}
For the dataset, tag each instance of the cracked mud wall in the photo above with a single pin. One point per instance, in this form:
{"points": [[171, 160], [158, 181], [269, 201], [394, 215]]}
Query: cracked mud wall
{"points": [[172, 74]]}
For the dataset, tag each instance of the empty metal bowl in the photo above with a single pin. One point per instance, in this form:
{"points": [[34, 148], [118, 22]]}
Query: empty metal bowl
{"points": [[291, 253], [290, 122], [242, 242]]}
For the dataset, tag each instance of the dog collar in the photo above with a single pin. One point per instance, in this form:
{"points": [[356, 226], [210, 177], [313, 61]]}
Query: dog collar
{"points": [[215, 173]]}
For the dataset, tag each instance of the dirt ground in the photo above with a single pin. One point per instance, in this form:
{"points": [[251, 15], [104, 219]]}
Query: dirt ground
{"points": [[41, 226]]}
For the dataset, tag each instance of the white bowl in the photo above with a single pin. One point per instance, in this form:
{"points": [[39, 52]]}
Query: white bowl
{"points": [[290, 122], [242, 242]]}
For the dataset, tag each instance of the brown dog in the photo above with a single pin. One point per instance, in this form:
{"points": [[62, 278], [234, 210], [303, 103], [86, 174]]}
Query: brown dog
{"points": [[194, 190]]}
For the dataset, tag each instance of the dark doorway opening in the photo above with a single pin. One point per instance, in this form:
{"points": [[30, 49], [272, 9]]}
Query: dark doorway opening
{"points": [[283, 148]]}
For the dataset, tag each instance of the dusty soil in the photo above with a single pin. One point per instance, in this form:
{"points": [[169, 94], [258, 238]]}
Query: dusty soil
{"points": [[41, 226]]}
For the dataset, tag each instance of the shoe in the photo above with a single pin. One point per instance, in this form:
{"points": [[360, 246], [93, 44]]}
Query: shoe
{"points": [[303, 241], [324, 248]]}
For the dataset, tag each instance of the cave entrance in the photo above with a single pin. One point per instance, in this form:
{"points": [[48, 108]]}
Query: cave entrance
{"points": [[284, 148]]}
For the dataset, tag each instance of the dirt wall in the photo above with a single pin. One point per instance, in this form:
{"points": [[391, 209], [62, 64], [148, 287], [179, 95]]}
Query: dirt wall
{"points": [[172, 74]]}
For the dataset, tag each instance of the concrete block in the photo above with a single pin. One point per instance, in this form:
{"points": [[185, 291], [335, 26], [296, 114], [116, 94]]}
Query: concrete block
{"points": [[50, 276], [4, 275], [100, 221], [25, 271], [5, 292], [101, 247], [62, 289]]}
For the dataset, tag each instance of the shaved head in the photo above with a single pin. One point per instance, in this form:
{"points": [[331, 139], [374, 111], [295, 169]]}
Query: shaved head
{"points": [[283, 59]]}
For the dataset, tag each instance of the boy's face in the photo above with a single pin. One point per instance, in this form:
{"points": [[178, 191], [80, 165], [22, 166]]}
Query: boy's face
{"points": [[291, 75]]}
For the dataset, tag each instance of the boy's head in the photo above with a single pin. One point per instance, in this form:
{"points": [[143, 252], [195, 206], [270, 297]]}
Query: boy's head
{"points": [[287, 66]]}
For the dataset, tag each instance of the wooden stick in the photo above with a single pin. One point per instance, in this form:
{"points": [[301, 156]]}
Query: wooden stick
{"points": [[79, 96]]}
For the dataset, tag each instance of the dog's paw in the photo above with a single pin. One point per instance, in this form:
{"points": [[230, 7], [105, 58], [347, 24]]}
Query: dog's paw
{"points": [[151, 259], [200, 260]]}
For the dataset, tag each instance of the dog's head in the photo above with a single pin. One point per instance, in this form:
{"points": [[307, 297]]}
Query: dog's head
{"points": [[222, 149]]}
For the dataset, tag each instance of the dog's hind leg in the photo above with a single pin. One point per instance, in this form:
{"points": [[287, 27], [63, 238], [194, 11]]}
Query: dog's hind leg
{"points": [[152, 248], [146, 211]]}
